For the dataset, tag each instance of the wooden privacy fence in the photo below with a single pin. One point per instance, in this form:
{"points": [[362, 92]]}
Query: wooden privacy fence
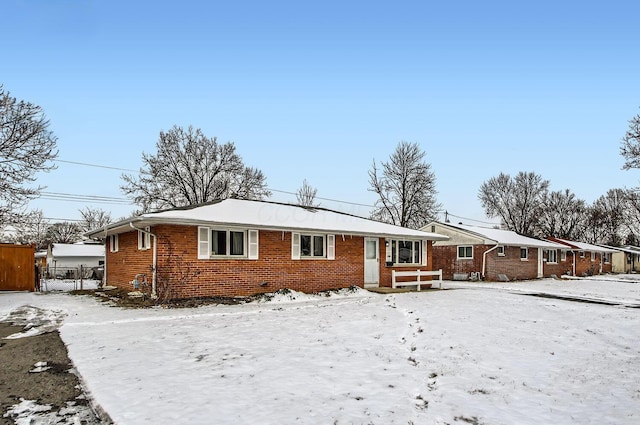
{"points": [[17, 267]]}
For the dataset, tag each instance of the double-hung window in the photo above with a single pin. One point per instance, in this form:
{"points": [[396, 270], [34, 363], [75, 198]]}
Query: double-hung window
{"points": [[227, 243], [501, 251], [552, 256], [524, 253], [309, 245], [144, 239], [465, 252], [606, 257]]}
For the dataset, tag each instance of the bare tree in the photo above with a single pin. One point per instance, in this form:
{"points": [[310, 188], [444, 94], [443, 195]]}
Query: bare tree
{"points": [[406, 188], [630, 148], [632, 216], [190, 168], [31, 229], [26, 148], [563, 215], [608, 213], [64, 232], [517, 201], [94, 218], [306, 195]]}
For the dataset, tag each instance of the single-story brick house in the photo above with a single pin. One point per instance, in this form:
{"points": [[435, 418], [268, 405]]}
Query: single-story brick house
{"points": [[239, 247], [626, 259], [474, 252], [585, 258]]}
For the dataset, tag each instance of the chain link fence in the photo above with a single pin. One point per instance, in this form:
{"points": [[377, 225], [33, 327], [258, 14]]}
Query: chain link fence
{"points": [[69, 278]]}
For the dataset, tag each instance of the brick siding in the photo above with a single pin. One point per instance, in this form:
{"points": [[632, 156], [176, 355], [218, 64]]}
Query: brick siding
{"points": [[191, 277], [445, 257]]}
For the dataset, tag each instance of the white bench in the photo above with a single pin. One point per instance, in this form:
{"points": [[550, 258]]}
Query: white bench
{"points": [[417, 274]]}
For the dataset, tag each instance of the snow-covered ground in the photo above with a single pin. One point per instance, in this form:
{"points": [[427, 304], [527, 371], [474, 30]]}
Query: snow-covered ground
{"points": [[477, 353]]}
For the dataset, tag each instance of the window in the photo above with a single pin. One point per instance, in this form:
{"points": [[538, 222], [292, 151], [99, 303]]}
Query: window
{"points": [[227, 243], [113, 243], [501, 251], [524, 253], [406, 252], [593, 256], [465, 252], [312, 246], [606, 257], [552, 256], [563, 255], [581, 254], [144, 239]]}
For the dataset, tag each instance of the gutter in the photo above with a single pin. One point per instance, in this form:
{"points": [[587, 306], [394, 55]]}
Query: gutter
{"points": [[484, 259], [154, 294]]}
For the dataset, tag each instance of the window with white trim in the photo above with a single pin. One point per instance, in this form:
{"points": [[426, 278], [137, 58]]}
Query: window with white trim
{"points": [[500, 251], [144, 239], [606, 256], [552, 256], [524, 253], [581, 254], [406, 251], [227, 243], [465, 252], [563, 255], [113, 243], [312, 246]]}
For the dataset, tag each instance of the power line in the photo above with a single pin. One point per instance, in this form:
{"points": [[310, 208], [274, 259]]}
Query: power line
{"points": [[86, 164], [96, 165]]}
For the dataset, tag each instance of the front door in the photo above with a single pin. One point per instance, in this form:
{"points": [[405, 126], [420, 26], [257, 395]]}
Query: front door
{"points": [[540, 263], [371, 261]]}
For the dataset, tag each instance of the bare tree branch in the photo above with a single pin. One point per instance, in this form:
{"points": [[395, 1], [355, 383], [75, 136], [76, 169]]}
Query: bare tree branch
{"points": [[406, 188], [26, 148], [190, 168]]}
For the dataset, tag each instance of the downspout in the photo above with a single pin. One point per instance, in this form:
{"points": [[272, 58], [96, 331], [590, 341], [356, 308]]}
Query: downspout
{"points": [[154, 295], [484, 259], [106, 252], [573, 254]]}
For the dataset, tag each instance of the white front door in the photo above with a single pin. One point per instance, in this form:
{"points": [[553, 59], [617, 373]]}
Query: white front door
{"points": [[540, 263], [371, 261]]}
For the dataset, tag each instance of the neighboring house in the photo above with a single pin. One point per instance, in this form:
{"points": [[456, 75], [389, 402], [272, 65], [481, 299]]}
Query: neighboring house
{"points": [[625, 259], [632, 259], [473, 252], [585, 259], [239, 247], [61, 258]]}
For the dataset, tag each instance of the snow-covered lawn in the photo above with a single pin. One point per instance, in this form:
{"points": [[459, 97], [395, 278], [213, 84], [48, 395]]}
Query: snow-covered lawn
{"points": [[477, 353]]}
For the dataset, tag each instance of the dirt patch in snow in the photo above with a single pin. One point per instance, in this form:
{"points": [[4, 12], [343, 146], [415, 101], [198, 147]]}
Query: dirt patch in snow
{"points": [[55, 391]]}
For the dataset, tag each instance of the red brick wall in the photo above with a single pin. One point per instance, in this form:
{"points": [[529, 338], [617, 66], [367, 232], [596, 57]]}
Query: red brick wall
{"points": [[446, 258], [191, 277], [559, 268]]}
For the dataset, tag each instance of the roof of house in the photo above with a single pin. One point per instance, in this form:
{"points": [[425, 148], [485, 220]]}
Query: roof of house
{"points": [[77, 250], [627, 249], [583, 246], [502, 237], [270, 216]]}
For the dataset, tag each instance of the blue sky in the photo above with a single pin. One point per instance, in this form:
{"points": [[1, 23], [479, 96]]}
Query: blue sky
{"points": [[318, 90]]}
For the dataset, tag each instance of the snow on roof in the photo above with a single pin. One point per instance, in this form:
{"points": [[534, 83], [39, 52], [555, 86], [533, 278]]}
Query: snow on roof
{"points": [[77, 250], [271, 215], [506, 237], [583, 246]]}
